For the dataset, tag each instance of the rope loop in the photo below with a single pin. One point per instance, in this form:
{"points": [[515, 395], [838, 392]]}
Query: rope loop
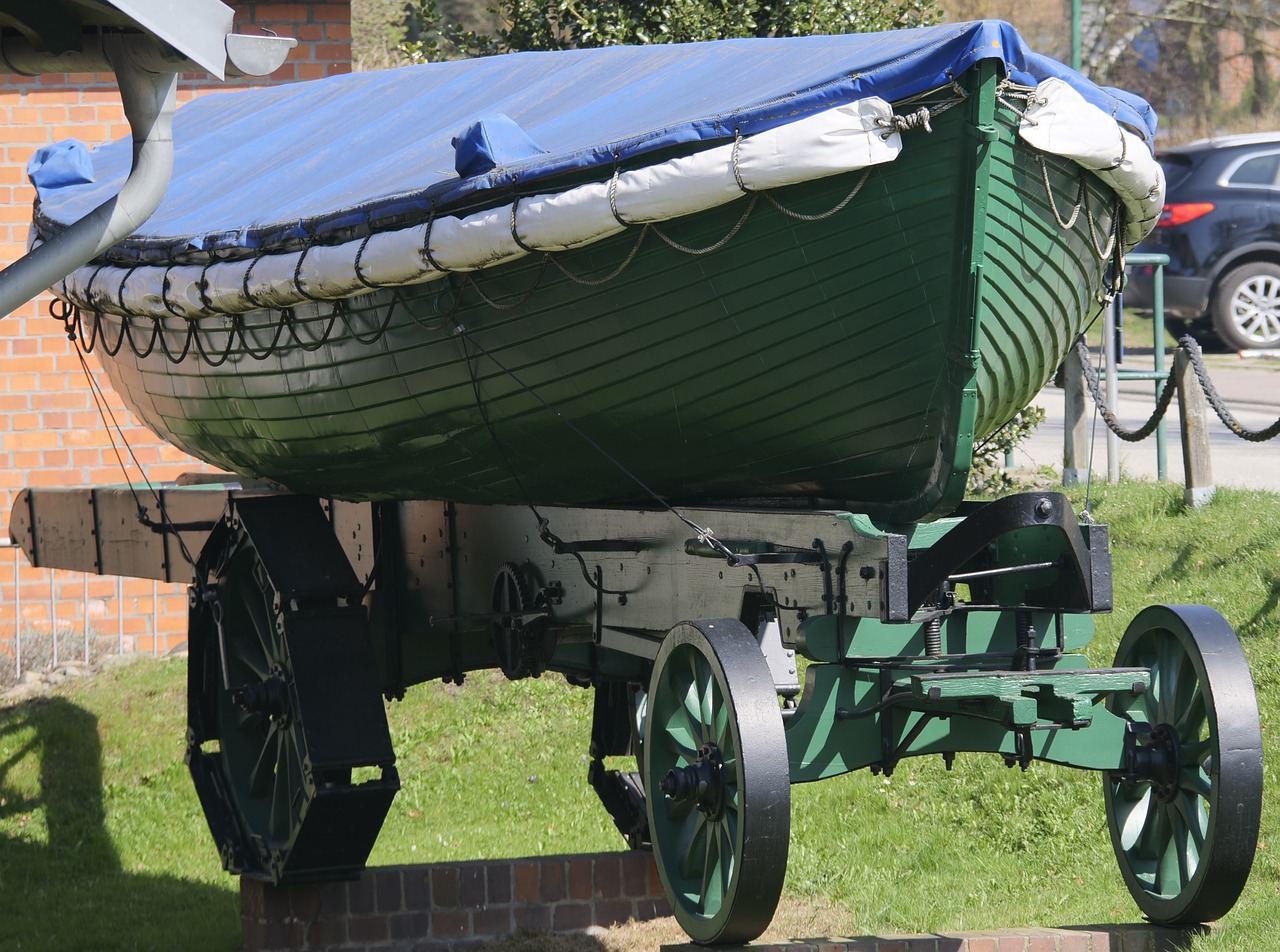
{"points": [[426, 246]]}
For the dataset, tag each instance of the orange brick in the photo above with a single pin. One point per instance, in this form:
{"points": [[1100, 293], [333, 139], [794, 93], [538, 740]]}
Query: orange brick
{"points": [[89, 134], [58, 94], [281, 12], [331, 12], [23, 134], [333, 52]]}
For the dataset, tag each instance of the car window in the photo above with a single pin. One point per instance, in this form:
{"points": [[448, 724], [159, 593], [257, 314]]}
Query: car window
{"points": [[1255, 170], [1176, 169]]}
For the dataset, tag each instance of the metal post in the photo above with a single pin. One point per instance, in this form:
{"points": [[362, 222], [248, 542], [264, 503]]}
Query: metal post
{"points": [[1113, 385], [53, 616], [86, 617], [1157, 351], [17, 600], [1075, 36]]}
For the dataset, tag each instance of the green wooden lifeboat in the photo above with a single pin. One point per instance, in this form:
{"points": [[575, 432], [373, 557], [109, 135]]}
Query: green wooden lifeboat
{"points": [[843, 341]]}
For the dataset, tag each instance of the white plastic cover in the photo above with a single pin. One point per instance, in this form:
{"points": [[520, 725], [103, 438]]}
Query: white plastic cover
{"points": [[1059, 121], [842, 139]]}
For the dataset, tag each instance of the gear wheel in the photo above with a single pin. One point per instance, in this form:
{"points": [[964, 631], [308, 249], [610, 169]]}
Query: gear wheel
{"points": [[521, 644]]}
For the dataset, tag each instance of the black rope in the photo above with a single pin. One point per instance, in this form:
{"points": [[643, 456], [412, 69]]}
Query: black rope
{"points": [[1191, 348], [1100, 401]]}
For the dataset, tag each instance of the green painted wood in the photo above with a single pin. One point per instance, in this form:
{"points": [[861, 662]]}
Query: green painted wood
{"points": [[852, 360], [824, 742]]}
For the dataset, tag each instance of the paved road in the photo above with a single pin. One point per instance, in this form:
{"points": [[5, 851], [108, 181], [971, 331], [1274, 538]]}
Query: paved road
{"points": [[1250, 389]]}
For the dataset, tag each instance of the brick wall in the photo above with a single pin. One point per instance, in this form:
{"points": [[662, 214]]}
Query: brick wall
{"points": [[51, 433], [443, 906]]}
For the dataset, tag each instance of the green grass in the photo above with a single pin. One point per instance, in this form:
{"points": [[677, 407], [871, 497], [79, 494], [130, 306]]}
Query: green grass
{"points": [[102, 845]]}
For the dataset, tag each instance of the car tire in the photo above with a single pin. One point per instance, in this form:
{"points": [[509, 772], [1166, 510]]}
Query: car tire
{"points": [[1246, 307]]}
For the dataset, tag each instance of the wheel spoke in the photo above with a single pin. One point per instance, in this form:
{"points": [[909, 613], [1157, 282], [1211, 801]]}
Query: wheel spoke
{"points": [[690, 842], [264, 769], [1192, 714], [692, 702], [681, 730], [1175, 872], [713, 873], [1194, 823], [1133, 817], [279, 816], [1170, 668], [1197, 782]]}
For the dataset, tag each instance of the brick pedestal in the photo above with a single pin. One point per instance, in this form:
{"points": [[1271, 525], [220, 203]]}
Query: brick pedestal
{"points": [[1107, 938], [446, 906]]}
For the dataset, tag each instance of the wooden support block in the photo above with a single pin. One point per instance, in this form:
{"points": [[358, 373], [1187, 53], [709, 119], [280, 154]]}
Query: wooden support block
{"points": [[1075, 439]]}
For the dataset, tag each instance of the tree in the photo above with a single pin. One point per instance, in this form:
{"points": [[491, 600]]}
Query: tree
{"points": [[566, 24], [1174, 52]]}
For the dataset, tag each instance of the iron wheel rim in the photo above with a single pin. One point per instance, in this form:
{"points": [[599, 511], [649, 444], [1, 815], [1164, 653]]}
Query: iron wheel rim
{"points": [[722, 857], [1185, 837]]}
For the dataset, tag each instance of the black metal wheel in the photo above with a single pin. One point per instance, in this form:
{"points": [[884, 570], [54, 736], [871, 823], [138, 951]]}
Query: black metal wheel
{"points": [[1184, 817], [287, 738], [718, 783]]}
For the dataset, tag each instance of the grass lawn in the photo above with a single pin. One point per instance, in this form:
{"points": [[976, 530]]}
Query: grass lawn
{"points": [[102, 844]]}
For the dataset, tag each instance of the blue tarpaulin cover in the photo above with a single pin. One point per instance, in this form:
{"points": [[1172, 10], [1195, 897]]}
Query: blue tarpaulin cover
{"points": [[280, 165]]}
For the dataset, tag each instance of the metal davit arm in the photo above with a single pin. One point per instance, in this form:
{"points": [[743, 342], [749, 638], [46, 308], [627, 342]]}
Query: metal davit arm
{"points": [[149, 100], [146, 65]]}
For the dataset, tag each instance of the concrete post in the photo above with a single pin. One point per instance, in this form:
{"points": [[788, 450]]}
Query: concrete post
{"points": [[1075, 434], [1193, 413]]}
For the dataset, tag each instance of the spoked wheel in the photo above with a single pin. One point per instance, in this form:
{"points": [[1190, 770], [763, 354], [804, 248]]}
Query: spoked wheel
{"points": [[719, 793], [287, 738], [1184, 818]]}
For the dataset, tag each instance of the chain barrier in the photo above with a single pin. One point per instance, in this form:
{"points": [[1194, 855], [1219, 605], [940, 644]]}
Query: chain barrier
{"points": [[1191, 348]]}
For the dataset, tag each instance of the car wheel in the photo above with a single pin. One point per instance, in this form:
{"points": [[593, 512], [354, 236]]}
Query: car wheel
{"points": [[1246, 307]]}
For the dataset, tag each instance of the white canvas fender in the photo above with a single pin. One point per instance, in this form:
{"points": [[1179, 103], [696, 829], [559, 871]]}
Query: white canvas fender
{"points": [[1061, 122], [842, 139]]}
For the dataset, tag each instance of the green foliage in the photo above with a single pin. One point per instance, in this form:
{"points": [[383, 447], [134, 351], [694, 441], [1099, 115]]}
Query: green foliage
{"points": [[569, 24], [987, 475]]}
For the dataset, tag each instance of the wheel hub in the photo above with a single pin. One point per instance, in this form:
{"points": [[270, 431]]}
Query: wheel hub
{"points": [[268, 697], [1160, 762], [701, 781]]}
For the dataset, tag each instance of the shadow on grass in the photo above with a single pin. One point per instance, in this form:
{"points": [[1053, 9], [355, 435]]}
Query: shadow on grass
{"points": [[61, 882]]}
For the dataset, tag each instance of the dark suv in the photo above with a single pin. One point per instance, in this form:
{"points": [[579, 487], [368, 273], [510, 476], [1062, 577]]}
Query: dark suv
{"points": [[1221, 231]]}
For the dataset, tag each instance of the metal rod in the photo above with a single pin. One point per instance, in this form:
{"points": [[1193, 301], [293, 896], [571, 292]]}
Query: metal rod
{"points": [[86, 617], [1008, 570], [1157, 354], [1113, 385], [53, 616], [17, 622]]}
